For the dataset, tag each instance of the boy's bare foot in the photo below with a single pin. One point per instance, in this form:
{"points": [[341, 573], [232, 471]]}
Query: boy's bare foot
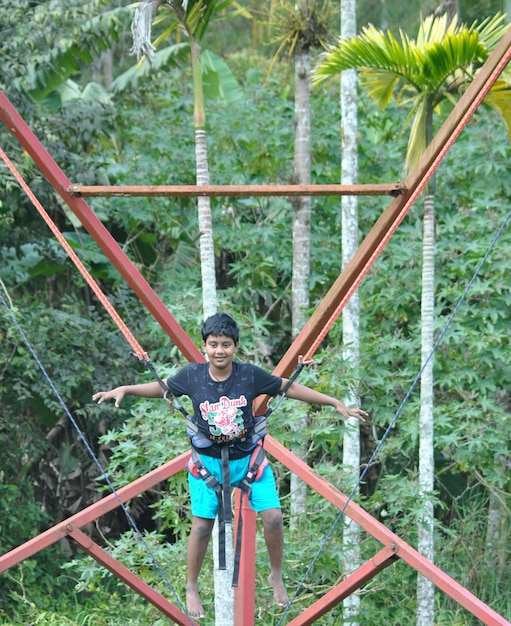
{"points": [[193, 603], [279, 591]]}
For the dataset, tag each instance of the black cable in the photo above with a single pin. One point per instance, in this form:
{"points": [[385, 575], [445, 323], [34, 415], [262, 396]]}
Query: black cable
{"points": [[398, 412], [130, 519]]}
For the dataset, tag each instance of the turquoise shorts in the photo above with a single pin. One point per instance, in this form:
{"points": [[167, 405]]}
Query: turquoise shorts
{"points": [[263, 494]]}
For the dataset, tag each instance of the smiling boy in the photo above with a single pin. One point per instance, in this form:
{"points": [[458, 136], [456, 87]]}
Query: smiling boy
{"points": [[222, 392]]}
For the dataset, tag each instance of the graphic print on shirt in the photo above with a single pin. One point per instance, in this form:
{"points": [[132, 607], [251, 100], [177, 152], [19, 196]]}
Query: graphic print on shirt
{"points": [[225, 417]]}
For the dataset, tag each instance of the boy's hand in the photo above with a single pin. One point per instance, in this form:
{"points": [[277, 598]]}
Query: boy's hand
{"points": [[346, 412], [116, 394]]}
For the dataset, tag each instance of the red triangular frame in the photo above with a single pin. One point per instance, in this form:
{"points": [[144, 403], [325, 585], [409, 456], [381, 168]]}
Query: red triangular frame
{"points": [[339, 294]]}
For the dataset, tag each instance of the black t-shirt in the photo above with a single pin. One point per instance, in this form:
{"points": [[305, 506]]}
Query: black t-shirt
{"points": [[222, 411]]}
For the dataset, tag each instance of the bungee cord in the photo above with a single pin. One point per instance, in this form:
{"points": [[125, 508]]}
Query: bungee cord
{"points": [[392, 422], [137, 352], [137, 349], [97, 462]]}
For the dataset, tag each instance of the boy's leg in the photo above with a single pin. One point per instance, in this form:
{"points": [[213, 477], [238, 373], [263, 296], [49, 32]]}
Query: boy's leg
{"points": [[274, 537], [198, 541]]}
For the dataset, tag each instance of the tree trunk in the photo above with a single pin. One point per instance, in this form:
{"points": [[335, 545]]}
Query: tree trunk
{"points": [[207, 249], [302, 205], [425, 588], [451, 7], [350, 318], [224, 594], [301, 253]]}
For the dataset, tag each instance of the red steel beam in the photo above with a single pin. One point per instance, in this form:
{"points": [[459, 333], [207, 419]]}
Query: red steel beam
{"points": [[386, 537], [189, 191], [124, 574], [245, 593], [352, 275], [91, 513], [349, 585], [59, 181]]}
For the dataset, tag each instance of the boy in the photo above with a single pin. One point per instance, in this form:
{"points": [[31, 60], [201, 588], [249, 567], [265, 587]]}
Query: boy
{"points": [[222, 392]]}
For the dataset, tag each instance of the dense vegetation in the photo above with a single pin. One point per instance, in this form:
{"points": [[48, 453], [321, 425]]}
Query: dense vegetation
{"points": [[141, 132]]}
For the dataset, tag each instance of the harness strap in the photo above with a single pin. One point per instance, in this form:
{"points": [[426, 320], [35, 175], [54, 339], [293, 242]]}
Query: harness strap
{"points": [[258, 462], [223, 493]]}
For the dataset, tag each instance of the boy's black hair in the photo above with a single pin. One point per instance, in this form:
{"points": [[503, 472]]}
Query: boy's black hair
{"points": [[220, 324]]}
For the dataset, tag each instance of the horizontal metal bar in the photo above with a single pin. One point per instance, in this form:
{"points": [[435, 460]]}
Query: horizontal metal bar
{"points": [[187, 191]]}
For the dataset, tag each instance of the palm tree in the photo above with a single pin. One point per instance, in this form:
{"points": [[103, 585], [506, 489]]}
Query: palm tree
{"points": [[192, 18], [423, 73]]}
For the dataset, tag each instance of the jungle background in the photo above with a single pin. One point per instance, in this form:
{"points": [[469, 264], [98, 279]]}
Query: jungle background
{"points": [[67, 68]]}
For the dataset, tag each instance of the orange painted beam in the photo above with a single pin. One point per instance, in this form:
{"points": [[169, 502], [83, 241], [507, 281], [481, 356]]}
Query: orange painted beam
{"points": [[251, 191], [127, 576], [91, 513]]}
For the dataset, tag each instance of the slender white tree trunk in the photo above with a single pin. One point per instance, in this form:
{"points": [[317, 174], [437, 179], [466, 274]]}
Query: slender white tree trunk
{"points": [[207, 249], [425, 588], [302, 206], [224, 595], [301, 253], [350, 318]]}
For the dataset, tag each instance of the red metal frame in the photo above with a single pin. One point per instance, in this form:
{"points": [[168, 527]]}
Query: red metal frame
{"points": [[124, 574], [339, 294], [59, 181]]}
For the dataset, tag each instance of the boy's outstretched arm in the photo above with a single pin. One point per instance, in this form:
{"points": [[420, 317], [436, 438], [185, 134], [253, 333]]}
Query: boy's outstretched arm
{"points": [[144, 390], [306, 394]]}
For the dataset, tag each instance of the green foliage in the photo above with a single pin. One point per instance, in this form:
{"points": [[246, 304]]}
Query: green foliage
{"points": [[420, 73], [143, 135], [92, 34]]}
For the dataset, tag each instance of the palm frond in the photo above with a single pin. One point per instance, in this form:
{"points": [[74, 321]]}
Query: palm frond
{"points": [[499, 99], [433, 29], [417, 141], [200, 13], [438, 66], [194, 22], [141, 29], [449, 65], [491, 30], [372, 50], [383, 85]]}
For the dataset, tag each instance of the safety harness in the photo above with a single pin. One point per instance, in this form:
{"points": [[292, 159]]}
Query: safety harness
{"points": [[258, 462]]}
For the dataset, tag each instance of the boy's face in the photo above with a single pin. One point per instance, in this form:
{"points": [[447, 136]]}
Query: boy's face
{"points": [[220, 351]]}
